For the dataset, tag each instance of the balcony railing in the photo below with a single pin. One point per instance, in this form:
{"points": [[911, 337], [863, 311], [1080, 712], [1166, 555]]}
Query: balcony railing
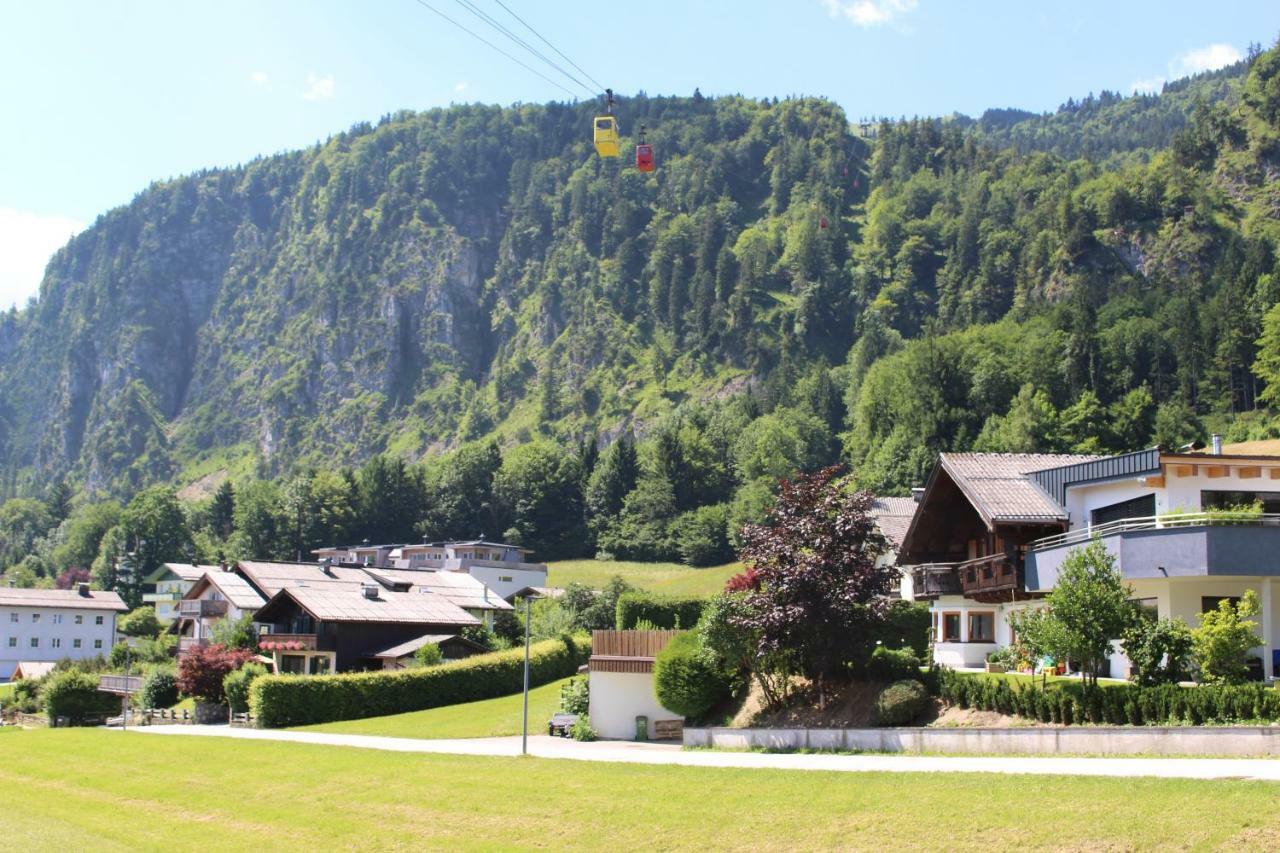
{"points": [[1168, 521], [185, 644], [993, 573], [161, 596], [287, 642], [119, 684], [934, 579], [197, 608]]}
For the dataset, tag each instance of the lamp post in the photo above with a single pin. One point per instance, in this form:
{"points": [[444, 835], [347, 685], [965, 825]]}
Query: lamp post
{"points": [[524, 732]]}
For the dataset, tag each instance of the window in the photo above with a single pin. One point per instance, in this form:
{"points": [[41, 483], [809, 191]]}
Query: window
{"points": [[57, 618], [1143, 507], [75, 644], [13, 642], [504, 578], [56, 642], [1225, 500], [982, 627], [13, 617], [35, 617], [97, 620], [1148, 608], [35, 642], [79, 619], [950, 627], [97, 644], [1211, 602]]}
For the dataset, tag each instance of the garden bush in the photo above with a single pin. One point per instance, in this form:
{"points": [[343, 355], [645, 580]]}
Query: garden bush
{"points": [[202, 670], [575, 696], [1119, 705], [901, 703], [236, 686], [281, 700], [75, 695], [893, 665], [658, 610], [906, 626], [687, 679], [159, 688]]}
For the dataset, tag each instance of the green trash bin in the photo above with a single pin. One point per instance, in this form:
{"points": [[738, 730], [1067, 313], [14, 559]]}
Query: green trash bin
{"points": [[642, 728]]}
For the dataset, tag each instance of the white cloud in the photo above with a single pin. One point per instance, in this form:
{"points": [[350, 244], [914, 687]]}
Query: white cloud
{"points": [[27, 240], [259, 78], [869, 13], [460, 86], [1205, 58], [1147, 86], [319, 87]]}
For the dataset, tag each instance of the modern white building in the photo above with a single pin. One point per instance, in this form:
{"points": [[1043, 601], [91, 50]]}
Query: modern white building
{"points": [[505, 569], [171, 582], [52, 624], [994, 529]]}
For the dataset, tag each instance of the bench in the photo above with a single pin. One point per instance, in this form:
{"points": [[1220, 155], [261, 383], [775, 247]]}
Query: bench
{"points": [[561, 725], [668, 729]]}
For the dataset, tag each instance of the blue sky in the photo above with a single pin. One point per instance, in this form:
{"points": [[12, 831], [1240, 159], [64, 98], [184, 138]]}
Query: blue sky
{"points": [[99, 99]]}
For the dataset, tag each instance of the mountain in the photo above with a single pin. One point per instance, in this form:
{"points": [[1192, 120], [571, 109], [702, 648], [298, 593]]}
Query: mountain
{"points": [[442, 277]]}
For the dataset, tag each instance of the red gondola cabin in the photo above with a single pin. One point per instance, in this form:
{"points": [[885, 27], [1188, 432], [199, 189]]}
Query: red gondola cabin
{"points": [[644, 158]]}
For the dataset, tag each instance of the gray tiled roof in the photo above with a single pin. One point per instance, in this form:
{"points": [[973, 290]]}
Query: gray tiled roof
{"points": [[187, 571], [457, 587], [234, 588], [272, 577], [997, 485], [70, 598], [412, 646], [893, 517], [347, 603]]}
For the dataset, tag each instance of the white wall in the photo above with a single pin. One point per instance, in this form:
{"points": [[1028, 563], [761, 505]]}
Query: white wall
{"points": [[1178, 493], [617, 698], [55, 624], [505, 582]]}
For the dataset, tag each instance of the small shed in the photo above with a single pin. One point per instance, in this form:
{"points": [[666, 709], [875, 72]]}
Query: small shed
{"points": [[621, 683], [32, 669], [452, 646]]}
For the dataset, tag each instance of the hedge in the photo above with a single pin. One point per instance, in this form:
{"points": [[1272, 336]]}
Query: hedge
{"points": [[74, 695], [663, 611], [285, 700], [1120, 705], [906, 626], [888, 665], [687, 679]]}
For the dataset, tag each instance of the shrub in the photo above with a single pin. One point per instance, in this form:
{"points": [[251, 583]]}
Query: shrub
{"points": [[75, 695], [901, 703], [906, 626], [202, 669], [428, 655], [140, 623], [701, 536], [150, 650], [660, 611], [1222, 642], [26, 695], [893, 665], [236, 686], [279, 700], [235, 633], [582, 730], [1157, 650], [575, 696], [687, 679], [159, 688]]}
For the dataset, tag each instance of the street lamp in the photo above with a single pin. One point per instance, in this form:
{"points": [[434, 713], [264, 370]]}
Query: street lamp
{"points": [[524, 733]]}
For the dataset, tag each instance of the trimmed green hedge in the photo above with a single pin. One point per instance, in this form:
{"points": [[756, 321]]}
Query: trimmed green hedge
{"points": [[663, 611], [74, 695], [906, 626], [288, 700], [1119, 705]]}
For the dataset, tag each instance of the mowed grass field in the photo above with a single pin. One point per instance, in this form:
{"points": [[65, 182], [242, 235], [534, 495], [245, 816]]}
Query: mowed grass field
{"points": [[486, 718], [668, 578], [105, 790]]}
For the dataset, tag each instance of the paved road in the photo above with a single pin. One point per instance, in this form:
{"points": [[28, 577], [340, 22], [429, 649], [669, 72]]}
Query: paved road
{"points": [[657, 753]]}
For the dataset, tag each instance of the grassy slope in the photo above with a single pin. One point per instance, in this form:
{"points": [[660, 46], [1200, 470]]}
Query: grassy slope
{"points": [[6, 691], [64, 789], [668, 578], [486, 718]]}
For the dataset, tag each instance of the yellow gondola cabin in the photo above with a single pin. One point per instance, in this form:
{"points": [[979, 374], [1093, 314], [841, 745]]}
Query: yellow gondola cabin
{"points": [[606, 136]]}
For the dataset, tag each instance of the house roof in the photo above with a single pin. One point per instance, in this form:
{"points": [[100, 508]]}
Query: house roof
{"points": [[457, 587], [487, 544], [70, 598], [998, 486], [270, 577], [893, 517], [347, 603], [235, 589], [184, 571], [406, 649], [537, 592], [32, 669]]}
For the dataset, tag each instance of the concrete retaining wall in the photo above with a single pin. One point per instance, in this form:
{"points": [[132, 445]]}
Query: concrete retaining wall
{"points": [[1117, 740]]}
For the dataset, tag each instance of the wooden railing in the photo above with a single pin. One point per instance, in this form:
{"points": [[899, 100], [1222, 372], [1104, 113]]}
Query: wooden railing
{"points": [[119, 684], [986, 574], [934, 579], [185, 644], [197, 608]]}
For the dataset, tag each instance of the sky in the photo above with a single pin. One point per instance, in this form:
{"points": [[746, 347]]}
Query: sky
{"points": [[98, 100]]}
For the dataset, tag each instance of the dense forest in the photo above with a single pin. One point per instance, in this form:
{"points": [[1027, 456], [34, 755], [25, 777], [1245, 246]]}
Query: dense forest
{"points": [[461, 321]]}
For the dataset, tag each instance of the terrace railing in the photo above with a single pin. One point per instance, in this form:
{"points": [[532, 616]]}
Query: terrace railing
{"points": [[1168, 521]]}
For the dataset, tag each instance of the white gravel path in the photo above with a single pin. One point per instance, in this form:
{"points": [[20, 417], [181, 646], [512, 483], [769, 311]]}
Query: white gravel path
{"points": [[659, 753]]}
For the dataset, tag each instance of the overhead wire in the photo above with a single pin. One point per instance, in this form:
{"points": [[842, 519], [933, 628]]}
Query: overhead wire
{"points": [[599, 86], [483, 40], [500, 28]]}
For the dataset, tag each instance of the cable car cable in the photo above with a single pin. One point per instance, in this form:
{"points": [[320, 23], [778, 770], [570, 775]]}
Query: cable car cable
{"points": [[496, 25], [599, 86], [482, 39]]}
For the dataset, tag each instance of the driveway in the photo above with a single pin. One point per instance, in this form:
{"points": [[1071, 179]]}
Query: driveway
{"points": [[666, 753]]}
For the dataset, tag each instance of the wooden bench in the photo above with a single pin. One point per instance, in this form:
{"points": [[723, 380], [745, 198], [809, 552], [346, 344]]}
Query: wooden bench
{"points": [[562, 725], [668, 729]]}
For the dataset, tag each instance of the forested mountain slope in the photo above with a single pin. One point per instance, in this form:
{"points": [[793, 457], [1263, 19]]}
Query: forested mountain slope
{"points": [[473, 289]]}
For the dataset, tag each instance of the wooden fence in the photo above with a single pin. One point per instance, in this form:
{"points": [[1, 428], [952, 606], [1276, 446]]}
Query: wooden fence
{"points": [[627, 651]]}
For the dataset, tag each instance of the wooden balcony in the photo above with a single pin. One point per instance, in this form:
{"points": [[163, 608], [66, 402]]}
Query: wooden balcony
{"points": [[995, 578], [934, 579], [202, 607], [288, 642], [186, 644]]}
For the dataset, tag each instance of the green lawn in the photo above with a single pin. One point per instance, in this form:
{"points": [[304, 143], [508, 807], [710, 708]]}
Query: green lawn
{"points": [[1017, 679], [670, 578], [74, 790], [486, 718], [6, 692]]}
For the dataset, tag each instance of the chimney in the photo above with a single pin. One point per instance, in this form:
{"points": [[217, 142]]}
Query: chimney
{"points": [[370, 591], [82, 588], [326, 566], [917, 492], [1216, 438], [223, 565]]}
